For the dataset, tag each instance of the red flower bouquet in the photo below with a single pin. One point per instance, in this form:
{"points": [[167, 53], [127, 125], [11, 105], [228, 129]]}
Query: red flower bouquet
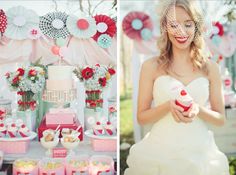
{"points": [[95, 79]]}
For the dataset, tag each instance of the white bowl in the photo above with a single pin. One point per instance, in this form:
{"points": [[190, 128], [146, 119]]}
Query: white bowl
{"points": [[50, 144], [70, 145]]}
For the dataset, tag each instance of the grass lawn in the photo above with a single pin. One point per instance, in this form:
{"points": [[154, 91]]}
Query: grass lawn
{"points": [[126, 131]]}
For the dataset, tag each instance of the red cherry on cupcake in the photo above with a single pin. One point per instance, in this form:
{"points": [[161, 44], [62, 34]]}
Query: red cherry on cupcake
{"points": [[108, 123], [183, 93], [98, 123], [13, 125], [1, 125], [23, 126]]}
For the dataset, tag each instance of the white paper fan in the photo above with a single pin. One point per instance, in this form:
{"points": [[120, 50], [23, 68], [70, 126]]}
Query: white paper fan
{"points": [[82, 27], [54, 25], [20, 20]]}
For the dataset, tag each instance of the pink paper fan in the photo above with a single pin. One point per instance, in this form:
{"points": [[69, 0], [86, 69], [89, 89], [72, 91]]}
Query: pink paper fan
{"points": [[134, 23]]}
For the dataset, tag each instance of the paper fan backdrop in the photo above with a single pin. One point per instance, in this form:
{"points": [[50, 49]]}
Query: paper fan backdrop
{"points": [[53, 25], [3, 21], [82, 27], [105, 25], [137, 25], [20, 20]]}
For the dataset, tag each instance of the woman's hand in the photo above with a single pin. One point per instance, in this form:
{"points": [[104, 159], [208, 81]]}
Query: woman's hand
{"points": [[193, 111], [177, 113]]}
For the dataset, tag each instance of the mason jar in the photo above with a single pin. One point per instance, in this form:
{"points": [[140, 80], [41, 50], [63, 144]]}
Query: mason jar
{"points": [[6, 104]]}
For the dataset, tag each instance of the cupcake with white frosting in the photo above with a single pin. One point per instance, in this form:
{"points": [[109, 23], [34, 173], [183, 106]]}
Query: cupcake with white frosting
{"points": [[184, 100]]}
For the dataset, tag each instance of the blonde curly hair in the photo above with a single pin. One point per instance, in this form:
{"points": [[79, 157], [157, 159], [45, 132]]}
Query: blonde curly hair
{"points": [[198, 56]]}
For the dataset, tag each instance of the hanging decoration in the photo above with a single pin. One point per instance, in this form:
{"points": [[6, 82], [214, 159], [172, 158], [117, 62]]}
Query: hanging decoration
{"points": [[105, 25], [20, 21], [221, 43], [34, 33], [53, 25], [82, 27], [138, 26], [3, 22], [104, 41]]}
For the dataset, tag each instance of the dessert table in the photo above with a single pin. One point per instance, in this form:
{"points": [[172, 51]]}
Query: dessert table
{"points": [[36, 151]]}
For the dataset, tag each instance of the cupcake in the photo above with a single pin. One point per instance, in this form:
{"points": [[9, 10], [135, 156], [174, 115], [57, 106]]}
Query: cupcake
{"points": [[98, 129], [110, 129], [12, 130], [184, 100], [24, 131], [3, 130]]}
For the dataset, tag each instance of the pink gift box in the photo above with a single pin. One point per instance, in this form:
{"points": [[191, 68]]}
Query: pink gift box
{"points": [[24, 171], [98, 169], [16, 147], [56, 171], [108, 145], [60, 118], [59, 152], [71, 170]]}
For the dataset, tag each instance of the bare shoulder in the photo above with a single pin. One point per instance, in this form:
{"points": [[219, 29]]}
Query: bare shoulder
{"points": [[151, 66], [214, 70], [150, 63]]}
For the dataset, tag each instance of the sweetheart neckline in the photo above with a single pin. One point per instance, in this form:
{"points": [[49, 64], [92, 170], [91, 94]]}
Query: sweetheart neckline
{"points": [[187, 85]]}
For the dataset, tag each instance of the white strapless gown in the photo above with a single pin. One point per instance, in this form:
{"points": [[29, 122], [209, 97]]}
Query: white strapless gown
{"points": [[172, 148]]}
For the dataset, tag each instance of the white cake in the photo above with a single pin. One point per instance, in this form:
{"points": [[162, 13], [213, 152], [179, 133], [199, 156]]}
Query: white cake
{"points": [[59, 78]]}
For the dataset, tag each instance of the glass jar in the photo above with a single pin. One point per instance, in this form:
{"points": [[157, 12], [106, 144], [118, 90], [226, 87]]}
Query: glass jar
{"points": [[6, 104], [94, 99], [112, 110]]}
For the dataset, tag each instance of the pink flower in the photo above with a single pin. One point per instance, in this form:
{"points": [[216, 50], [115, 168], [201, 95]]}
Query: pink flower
{"points": [[7, 74]]}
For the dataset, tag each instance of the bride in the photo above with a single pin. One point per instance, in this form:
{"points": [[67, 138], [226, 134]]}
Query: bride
{"points": [[179, 142]]}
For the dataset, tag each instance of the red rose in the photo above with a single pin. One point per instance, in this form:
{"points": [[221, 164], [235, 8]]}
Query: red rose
{"points": [[32, 105], [93, 104], [112, 109], [20, 93], [7, 74], [98, 65], [20, 71], [15, 80], [32, 72], [100, 101], [102, 81], [2, 112], [87, 73], [111, 71], [20, 102]]}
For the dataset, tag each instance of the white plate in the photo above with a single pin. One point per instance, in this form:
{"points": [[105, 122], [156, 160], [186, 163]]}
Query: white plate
{"points": [[90, 134], [30, 137]]}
